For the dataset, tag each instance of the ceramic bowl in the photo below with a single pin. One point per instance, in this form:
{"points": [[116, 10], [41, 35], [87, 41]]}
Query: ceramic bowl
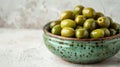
{"points": [[81, 50]]}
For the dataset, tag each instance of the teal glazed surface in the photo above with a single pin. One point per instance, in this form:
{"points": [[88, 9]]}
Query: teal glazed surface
{"points": [[81, 50]]}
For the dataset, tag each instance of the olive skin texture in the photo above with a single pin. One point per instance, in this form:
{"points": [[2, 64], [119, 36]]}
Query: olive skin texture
{"points": [[106, 32], [56, 30], [103, 22], [115, 26], [112, 31], [97, 33], [53, 23], [81, 33], [67, 15], [89, 24], [88, 12], [75, 13], [118, 31], [111, 21], [78, 9], [80, 19], [67, 32], [79, 27], [98, 14], [68, 23]]}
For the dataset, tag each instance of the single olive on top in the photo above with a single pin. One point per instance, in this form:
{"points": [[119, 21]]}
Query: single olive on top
{"points": [[78, 10], [88, 12], [80, 19], [67, 15], [67, 32], [90, 24], [103, 22], [81, 33]]}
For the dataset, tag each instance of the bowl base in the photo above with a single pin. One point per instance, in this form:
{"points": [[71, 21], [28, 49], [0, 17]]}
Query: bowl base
{"points": [[96, 62]]}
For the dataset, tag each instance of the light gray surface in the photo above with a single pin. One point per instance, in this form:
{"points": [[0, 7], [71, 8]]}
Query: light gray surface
{"points": [[35, 13], [25, 48]]}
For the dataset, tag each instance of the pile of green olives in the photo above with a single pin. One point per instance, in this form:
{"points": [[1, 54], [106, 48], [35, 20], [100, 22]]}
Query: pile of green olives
{"points": [[84, 22]]}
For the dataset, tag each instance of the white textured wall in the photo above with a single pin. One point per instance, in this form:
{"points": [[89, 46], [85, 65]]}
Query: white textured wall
{"points": [[35, 13]]}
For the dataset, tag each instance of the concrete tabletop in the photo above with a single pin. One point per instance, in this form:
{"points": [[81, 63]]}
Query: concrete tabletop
{"points": [[25, 48]]}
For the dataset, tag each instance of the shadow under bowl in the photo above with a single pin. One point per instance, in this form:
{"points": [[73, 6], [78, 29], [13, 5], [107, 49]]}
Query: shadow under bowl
{"points": [[81, 50]]}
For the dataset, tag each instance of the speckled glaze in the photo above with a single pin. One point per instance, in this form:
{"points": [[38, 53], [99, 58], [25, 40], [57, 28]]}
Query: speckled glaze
{"points": [[81, 50]]}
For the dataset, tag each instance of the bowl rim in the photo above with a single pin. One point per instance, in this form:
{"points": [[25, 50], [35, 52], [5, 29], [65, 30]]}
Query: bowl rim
{"points": [[77, 39]]}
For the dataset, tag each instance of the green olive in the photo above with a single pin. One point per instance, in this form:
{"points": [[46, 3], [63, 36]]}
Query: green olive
{"points": [[78, 9], [67, 15], [97, 33], [118, 31], [53, 23], [81, 33], [80, 19], [111, 21], [56, 30], [98, 14], [68, 23], [103, 22], [106, 31], [114, 26], [67, 32], [75, 13], [88, 12], [89, 24], [79, 27], [112, 31]]}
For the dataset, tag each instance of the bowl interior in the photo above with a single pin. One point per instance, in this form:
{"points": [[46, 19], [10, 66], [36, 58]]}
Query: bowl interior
{"points": [[47, 29]]}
